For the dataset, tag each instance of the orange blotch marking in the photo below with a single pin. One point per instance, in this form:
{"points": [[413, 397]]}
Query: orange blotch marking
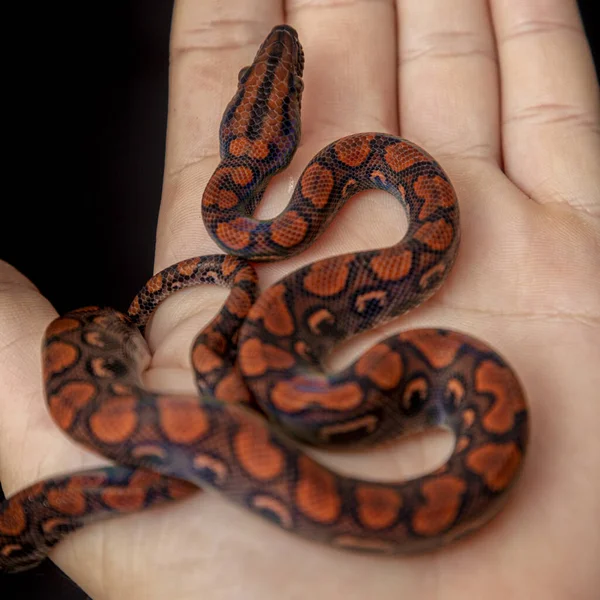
{"points": [[443, 496], [131, 498], [50, 525], [134, 309], [69, 400], [418, 386], [242, 175], [378, 176], [363, 300], [289, 229], [85, 309], [497, 464], [215, 340], [234, 234], [155, 284], [121, 390], [188, 267], [256, 453], [276, 507], [438, 235], [279, 92], [58, 356], [115, 420], [301, 392], [212, 464], [274, 312], [237, 146], [260, 149], [70, 500], [8, 549], [107, 320], [277, 358], [183, 421], [61, 325], [245, 274], [377, 507], [321, 316], [212, 273], [205, 360], [251, 358], [124, 500], [355, 151], [439, 350], [456, 389], [493, 379], [230, 263], [316, 493], [239, 303], [328, 277], [316, 184], [436, 192], [348, 186], [211, 193], [426, 258], [231, 388], [99, 368], [227, 199], [149, 451], [392, 268], [13, 520], [400, 156], [381, 365], [463, 442], [302, 348], [241, 146], [468, 417]]}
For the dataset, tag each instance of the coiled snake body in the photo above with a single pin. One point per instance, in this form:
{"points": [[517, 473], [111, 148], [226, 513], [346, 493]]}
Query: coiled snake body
{"points": [[258, 364]]}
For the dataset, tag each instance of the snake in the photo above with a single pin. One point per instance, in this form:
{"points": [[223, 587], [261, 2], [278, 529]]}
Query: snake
{"points": [[264, 395]]}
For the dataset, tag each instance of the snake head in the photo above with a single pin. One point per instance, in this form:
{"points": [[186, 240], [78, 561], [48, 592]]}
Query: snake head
{"points": [[263, 118], [281, 48]]}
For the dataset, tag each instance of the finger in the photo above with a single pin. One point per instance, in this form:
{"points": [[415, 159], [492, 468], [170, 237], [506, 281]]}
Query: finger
{"points": [[210, 41], [448, 78], [350, 67], [31, 446], [551, 106]]}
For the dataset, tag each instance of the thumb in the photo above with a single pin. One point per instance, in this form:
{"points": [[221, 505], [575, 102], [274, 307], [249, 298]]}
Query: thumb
{"points": [[31, 445]]}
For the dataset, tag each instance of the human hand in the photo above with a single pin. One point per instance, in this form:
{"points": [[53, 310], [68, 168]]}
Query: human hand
{"points": [[525, 281]]}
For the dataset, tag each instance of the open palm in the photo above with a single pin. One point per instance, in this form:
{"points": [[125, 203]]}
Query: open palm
{"points": [[507, 100]]}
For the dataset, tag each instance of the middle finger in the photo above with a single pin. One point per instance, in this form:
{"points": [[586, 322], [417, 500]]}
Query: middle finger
{"points": [[350, 73], [448, 78]]}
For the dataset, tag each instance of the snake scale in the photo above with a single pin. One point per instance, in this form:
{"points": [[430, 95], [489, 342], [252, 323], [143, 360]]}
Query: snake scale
{"points": [[258, 365]]}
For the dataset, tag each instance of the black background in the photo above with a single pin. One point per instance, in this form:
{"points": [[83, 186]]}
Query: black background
{"points": [[85, 131]]}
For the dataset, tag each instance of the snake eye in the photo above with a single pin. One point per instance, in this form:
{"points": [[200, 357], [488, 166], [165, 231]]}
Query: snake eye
{"points": [[243, 74], [455, 392], [415, 395]]}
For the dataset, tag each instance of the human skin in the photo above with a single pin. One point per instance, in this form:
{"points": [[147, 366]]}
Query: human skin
{"points": [[503, 93]]}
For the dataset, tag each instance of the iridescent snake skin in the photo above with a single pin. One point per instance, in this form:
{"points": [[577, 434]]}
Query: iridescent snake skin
{"points": [[258, 365]]}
